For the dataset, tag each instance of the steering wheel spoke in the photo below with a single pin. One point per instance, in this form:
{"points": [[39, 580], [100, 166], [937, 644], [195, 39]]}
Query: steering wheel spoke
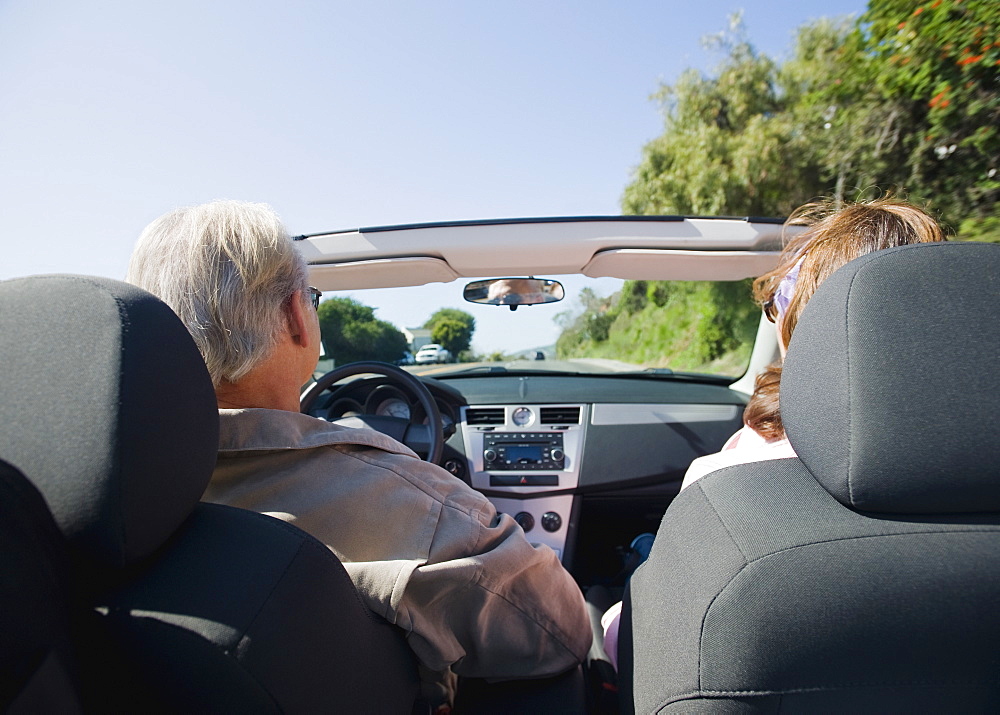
{"points": [[392, 426], [418, 438]]}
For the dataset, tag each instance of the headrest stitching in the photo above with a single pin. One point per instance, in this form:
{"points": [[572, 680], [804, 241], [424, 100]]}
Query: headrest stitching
{"points": [[746, 562], [125, 324], [850, 410]]}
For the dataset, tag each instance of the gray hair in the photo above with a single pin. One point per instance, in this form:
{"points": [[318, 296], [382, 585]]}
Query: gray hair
{"points": [[226, 268]]}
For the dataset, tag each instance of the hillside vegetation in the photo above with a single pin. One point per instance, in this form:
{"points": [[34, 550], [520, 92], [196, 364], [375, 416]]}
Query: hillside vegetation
{"points": [[682, 325], [903, 99]]}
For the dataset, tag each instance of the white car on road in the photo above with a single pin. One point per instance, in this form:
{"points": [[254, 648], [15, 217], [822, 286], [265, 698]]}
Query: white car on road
{"points": [[432, 353]]}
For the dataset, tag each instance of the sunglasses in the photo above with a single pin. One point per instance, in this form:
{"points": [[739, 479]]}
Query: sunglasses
{"points": [[770, 310], [315, 294], [777, 305]]}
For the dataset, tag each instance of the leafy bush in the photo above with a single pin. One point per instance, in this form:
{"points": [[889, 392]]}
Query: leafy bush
{"points": [[683, 325], [452, 328], [351, 332]]}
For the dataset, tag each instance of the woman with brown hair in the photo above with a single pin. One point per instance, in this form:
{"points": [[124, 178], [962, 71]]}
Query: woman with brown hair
{"points": [[833, 239]]}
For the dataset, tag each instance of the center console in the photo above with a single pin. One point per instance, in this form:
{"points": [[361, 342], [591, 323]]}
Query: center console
{"points": [[526, 459]]}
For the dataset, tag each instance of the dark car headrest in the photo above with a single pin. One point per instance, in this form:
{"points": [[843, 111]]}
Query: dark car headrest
{"points": [[889, 389], [108, 409]]}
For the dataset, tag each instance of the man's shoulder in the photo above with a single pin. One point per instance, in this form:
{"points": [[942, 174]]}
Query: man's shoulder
{"points": [[258, 429], [429, 478], [246, 432]]}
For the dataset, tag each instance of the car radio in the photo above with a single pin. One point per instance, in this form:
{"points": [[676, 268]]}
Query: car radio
{"points": [[523, 451]]}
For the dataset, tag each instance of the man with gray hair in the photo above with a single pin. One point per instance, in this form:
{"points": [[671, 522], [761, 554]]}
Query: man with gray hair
{"points": [[425, 551]]}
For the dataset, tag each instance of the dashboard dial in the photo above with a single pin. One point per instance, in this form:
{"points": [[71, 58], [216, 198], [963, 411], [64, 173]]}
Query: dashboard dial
{"points": [[388, 401], [393, 407], [521, 416], [344, 408], [447, 423]]}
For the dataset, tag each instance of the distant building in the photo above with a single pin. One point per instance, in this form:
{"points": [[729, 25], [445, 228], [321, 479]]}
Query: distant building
{"points": [[417, 337], [326, 362]]}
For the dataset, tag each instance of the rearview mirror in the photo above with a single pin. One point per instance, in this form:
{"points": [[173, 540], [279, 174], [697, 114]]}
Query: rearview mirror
{"points": [[514, 291]]}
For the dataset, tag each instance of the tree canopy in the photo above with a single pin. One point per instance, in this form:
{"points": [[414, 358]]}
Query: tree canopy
{"points": [[905, 98], [940, 61], [452, 328], [351, 332], [728, 147]]}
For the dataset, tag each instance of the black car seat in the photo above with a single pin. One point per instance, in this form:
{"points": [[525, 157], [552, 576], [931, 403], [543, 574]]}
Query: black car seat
{"points": [[38, 663], [108, 409], [864, 575]]}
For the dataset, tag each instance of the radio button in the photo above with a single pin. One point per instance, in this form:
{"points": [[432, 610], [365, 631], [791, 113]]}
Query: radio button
{"points": [[551, 521], [526, 520]]}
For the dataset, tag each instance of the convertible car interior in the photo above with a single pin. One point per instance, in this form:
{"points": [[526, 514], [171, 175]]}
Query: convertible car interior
{"points": [[584, 458], [860, 576]]}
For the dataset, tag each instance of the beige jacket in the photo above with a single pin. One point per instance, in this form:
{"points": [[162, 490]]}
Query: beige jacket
{"points": [[425, 550]]}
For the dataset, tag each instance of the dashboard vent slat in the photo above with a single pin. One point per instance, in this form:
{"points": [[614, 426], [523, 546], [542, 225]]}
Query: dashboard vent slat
{"points": [[560, 415], [484, 416]]}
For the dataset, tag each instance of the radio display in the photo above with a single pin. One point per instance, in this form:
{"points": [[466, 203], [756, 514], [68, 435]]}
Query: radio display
{"points": [[523, 453], [527, 451]]}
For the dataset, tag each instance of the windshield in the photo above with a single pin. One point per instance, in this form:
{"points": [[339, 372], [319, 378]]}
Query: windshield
{"points": [[602, 325]]}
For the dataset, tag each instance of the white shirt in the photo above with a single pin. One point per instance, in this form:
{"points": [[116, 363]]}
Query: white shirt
{"points": [[743, 447]]}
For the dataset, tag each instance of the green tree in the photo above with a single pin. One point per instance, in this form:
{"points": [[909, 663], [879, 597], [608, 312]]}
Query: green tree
{"points": [[634, 296], [452, 328], [450, 333], [683, 325], [904, 98], [728, 146], [586, 326], [849, 136], [939, 59], [985, 229], [351, 332]]}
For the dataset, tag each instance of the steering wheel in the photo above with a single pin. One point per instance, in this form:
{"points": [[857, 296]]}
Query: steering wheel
{"points": [[425, 439]]}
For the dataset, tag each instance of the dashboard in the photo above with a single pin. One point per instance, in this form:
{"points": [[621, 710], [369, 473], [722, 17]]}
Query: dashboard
{"points": [[582, 462]]}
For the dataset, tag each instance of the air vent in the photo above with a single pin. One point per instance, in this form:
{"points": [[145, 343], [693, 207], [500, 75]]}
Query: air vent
{"points": [[560, 415], [484, 416]]}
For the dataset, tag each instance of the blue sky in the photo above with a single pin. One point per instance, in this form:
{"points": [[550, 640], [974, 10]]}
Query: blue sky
{"points": [[338, 114]]}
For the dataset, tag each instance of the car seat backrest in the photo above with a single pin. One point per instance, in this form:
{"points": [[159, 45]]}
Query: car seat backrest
{"points": [[108, 408], [38, 664], [860, 576], [889, 389], [184, 607]]}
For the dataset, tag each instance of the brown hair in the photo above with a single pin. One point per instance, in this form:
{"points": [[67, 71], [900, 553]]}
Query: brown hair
{"points": [[834, 238]]}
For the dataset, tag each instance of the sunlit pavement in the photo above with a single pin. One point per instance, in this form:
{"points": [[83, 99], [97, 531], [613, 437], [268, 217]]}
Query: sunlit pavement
{"points": [[576, 365], [434, 369]]}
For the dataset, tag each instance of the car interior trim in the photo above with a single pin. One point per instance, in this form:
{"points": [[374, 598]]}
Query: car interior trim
{"points": [[546, 512], [541, 219], [674, 264], [382, 273], [653, 413]]}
